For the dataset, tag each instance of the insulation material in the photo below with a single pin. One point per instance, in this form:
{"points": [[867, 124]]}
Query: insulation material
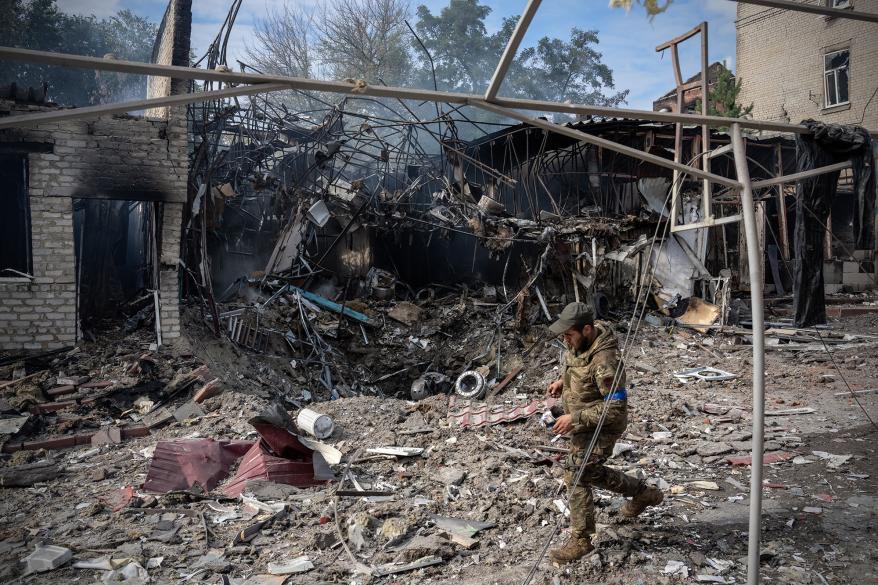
{"points": [[699, 314], [673, 270]]}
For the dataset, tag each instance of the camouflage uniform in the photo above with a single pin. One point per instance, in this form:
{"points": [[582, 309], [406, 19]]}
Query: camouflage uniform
{"points": [[588, 381]]}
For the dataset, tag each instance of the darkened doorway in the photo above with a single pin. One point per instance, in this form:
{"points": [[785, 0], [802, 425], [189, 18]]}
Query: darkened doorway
{"points": [[15, 242], [115, 262]]}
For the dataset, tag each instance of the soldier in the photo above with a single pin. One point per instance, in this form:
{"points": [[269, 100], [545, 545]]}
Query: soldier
{"points": [[589, 371]]}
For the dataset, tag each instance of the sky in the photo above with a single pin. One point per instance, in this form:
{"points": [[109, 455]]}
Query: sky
{"points": [[627, 40]]}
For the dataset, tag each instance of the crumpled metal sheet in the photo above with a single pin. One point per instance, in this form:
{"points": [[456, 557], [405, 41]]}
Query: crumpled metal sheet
{"points": [[259, 463], [476, 415], [180, 465]]}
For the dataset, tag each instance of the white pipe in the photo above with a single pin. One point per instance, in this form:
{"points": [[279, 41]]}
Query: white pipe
{"points": [[758, 317], [314, 423]]}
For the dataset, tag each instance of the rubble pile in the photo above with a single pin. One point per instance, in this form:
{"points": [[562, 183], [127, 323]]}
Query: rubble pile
{"points": [[430, 490]]}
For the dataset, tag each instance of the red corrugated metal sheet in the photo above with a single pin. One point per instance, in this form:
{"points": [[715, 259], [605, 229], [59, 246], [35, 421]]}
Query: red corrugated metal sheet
{"points": [[476, 415], [259, 463], [280, 441], [180, 465]]}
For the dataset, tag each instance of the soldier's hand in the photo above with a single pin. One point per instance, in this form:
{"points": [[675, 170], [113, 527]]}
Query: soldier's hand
{"points": [[555, 388], [563, 425]]}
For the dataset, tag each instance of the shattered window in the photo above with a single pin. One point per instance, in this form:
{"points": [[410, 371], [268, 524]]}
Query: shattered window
{"points": [[15, 256], [835, 67]]}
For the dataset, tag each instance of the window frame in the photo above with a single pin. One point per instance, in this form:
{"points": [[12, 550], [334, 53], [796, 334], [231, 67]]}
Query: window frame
{"points": [[11, 277], [834, 73]]}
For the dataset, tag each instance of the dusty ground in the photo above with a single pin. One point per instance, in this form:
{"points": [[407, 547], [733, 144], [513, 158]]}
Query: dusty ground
{"points": [[819, 514]]}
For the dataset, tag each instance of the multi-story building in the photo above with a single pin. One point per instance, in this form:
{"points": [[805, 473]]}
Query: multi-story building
{"points": [[795, 65]]}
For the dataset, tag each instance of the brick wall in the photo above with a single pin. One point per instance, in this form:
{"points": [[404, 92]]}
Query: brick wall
{"points": [[119, 156], [780, 62], [171, 48]]}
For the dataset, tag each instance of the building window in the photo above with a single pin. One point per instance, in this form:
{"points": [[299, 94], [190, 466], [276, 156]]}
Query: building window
{"points": [[839, 3], [835, 75], [15, 243]]}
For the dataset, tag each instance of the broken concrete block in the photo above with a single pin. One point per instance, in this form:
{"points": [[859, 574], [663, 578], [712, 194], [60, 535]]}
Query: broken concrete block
{"points": [[393, 528], [850, 267], [187, 411], [297, 565], [451, 476], [713, 449], [406, 313], [832, 272], [47, 558], [107, 436]]}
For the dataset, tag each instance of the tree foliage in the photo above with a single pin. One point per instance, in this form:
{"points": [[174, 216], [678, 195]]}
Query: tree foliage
{"points": [[38, 24], [283, 43], [365, 39], [369, 39], [724, 97]]}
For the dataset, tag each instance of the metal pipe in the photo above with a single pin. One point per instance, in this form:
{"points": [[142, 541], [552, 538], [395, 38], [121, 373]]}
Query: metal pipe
{"points": [[757, 310], [815, 8], [511, 48], [106, 109], [608, 144], [357, 89], [803, 175]]}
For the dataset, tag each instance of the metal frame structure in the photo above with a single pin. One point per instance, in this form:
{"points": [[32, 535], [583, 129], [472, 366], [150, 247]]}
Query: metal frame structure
{"points": [[506, 107]]}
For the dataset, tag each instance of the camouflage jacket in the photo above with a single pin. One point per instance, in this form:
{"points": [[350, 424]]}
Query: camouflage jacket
{"points": [[588, 379]]}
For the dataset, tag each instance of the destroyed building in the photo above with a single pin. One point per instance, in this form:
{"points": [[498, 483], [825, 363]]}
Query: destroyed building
{"points": [[827, 75], [94, 212], [265, 329]]}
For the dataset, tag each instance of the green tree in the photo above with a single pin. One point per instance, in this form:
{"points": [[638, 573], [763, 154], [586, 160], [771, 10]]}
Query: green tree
{"points": [[465, 57], [365, 39], [463, 52], [724, 97], [38, 24]]}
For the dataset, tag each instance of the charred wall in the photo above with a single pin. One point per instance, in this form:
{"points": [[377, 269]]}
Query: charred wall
{"points": [[121, 158]]}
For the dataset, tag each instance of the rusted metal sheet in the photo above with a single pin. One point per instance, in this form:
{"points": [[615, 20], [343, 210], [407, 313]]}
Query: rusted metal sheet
{"points": [[476, 415], [259, 463], [180, 465]]}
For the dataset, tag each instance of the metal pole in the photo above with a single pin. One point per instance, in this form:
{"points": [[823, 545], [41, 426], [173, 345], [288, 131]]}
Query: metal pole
{"points": [[603, 142], [758, 317], [511, 48], [354, 88]]}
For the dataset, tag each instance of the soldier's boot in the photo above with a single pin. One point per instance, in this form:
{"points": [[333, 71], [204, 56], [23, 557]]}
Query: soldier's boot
{"points": [[636, 505], [575, 548]]}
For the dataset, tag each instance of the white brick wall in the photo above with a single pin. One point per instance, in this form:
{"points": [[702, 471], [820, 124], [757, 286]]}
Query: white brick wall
{"points": [[119, 154], [780, 62]]}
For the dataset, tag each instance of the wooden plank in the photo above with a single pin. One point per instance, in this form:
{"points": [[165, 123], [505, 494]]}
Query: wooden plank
{"points": [[679, 39]]}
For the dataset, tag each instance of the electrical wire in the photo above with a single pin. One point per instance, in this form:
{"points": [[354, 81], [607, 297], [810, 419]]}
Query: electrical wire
{"points": [[840, 375], [817, 329]]}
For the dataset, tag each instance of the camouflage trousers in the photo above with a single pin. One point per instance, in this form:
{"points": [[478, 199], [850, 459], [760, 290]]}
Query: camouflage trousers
{"points": [[595, 474]]}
